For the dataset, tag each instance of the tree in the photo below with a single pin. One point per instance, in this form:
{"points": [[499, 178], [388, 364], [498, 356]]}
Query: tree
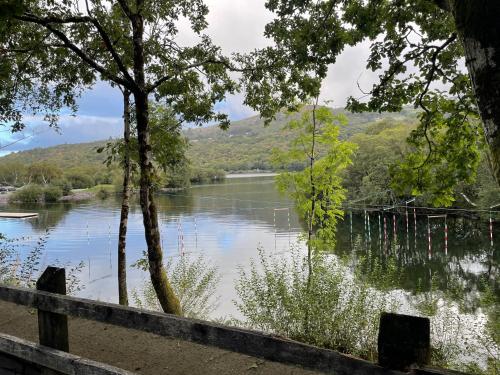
{"points": [[31, 78], [42, 173], [317, 190], [168, 151], [132, 44], [380, 146], [122, 231], [12, 173], [432, 37]]}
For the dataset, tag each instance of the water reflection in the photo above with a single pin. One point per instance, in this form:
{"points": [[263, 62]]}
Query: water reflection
{"points": [[460, 265], [227, 222]]}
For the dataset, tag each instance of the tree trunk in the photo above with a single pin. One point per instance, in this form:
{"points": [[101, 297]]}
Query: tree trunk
{"points": [[166, 296], [310, 231], [122, 235], [478, 25]]}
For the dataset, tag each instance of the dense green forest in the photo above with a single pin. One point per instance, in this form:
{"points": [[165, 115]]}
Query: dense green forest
{"points": [[247, 146]]}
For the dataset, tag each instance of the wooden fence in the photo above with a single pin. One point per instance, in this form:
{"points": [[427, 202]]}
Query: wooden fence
{"points": [[403, 340]]}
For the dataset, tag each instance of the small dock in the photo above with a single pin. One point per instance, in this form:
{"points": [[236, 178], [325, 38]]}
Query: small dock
{"points": [[17, 215]]}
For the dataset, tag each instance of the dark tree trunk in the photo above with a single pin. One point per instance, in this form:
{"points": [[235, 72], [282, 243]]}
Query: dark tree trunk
{"points": [[122, 235], [166, 296], [478, 24]]}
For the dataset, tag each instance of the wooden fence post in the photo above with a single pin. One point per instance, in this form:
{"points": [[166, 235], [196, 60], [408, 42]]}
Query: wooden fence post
{"points": [[53, 327], [403, 341]]}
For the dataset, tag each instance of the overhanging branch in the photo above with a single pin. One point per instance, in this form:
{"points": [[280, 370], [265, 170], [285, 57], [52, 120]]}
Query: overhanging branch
{"points": [[47, 23], [225, 63]]}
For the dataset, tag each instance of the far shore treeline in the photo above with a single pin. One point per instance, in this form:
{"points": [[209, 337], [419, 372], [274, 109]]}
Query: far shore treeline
{"points": [[47, 174]]}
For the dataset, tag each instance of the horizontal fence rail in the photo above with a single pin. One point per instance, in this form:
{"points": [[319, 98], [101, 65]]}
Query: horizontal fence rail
{"points": [[233, 339], [48, 358], [403, 340]]}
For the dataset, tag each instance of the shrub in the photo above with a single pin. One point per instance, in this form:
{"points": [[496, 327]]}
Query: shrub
{"points": [[103, 193], [34, 193], [200, 176], [31, 193], [460, 341], [334, 311], [52, 193], [194, 281], [65, 186], [80, 181]]}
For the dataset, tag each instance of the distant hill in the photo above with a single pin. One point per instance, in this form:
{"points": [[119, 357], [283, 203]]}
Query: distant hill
{"points": [[245, 146], [62, 156]]}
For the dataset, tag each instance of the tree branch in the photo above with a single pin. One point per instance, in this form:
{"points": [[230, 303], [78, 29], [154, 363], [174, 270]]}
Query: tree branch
{"points": [[430, 79], [85, 19], [61, 36], [111, 49], [226, 64], [126, 9]]}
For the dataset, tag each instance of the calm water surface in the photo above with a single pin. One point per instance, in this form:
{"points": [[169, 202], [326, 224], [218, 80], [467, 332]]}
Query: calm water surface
{"points": [[227, 222]]}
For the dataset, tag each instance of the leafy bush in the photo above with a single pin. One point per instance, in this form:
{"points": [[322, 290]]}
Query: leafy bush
{"points": [[31, 193], [65, 186], [34, 193], [335, 311], [204, 175], [52, 193], [460, 341], [194, 281], [80, 180], [103, 193]]}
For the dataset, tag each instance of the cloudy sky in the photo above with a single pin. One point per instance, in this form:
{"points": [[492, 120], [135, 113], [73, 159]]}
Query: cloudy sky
{"points": [[236, 26]]}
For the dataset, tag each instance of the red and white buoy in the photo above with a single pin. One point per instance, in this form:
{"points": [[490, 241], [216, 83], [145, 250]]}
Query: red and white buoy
{"points": [[408, 222], [394, 226], [491, 224], [445, 231], [429, 237], [407, 225], [445, 237], [385, 231], [415, 220], [491, 231]]}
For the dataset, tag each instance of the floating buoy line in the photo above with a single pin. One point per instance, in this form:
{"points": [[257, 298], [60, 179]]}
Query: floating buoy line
{"points": [[385, 213]]}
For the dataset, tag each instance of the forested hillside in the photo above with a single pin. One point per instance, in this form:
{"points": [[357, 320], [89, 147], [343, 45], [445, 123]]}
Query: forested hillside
{"points": [[246, 145], [61, 156]]}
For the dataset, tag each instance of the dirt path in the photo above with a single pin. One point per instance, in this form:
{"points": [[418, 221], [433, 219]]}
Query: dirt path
{"points": [[139, 351]]}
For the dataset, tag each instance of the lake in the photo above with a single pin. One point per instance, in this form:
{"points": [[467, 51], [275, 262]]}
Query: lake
{"points": [[227, 222]]}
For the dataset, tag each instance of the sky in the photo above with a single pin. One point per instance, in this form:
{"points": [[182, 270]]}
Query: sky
{"points": [[234, 25]]}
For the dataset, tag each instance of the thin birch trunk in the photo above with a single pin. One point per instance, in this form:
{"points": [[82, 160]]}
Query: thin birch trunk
{"points": [[122, 235]]}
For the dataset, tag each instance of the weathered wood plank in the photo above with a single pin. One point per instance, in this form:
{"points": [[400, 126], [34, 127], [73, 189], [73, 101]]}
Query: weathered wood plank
{"points": [[17, 215], [53, 359], [403, 341], [233, 339], [53, 327]]}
